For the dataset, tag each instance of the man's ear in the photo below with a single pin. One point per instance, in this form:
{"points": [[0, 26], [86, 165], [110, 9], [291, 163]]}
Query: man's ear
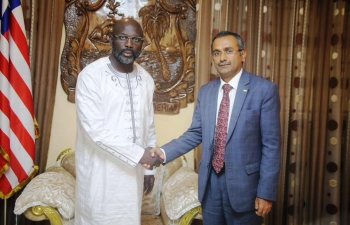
{"points": [[243, 54]]}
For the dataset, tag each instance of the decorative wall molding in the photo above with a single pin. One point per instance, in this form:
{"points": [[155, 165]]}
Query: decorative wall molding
{"points": [[168, 52]]}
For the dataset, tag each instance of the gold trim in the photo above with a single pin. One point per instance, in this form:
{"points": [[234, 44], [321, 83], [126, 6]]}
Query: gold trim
{"points": [[4, 154], [187, 218], [4, 169], [36, 129], [49, 212], [63, 153], [21, 185]]}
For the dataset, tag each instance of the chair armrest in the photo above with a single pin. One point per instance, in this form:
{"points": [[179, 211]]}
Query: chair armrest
{"points": [[180, 193], [39, 213], [188, 217], [53, 189]]}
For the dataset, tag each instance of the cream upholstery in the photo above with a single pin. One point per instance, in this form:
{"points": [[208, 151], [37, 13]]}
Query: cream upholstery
{"points": [[179, 193], [50, 195]]}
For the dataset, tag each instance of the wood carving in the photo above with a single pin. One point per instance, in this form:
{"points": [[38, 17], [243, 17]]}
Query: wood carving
{"points": [[168, 52]]}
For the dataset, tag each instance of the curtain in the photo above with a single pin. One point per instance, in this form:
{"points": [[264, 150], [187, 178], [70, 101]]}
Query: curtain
{"points": [[304, 47]]}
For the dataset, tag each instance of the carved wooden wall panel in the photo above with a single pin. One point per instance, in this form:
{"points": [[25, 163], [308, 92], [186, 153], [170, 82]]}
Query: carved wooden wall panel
{"points": [[168, 53]]}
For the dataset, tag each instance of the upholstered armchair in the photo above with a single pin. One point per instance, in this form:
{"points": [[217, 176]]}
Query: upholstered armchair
{"points": [[173, 200]]}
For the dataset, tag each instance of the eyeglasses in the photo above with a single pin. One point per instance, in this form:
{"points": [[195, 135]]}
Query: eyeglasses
{"points": [[228, 52], [123, 38]]}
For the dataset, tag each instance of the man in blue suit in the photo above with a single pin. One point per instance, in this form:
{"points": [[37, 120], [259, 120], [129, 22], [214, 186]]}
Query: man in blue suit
{"points": [[242, 188]]}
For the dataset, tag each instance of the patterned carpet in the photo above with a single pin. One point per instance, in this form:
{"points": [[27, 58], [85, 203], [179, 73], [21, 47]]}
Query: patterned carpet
{"points": [[151, 220]]}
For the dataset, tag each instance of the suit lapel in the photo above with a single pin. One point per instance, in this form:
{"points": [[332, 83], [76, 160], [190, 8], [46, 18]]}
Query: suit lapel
{"points": [[241, 93], [213, 102]]}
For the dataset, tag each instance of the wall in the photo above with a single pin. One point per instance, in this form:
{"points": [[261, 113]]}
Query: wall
{"points": [[64, 125]]}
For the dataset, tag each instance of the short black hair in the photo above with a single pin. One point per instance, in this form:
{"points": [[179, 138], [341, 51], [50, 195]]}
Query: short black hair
{"points": [[227, 33]]}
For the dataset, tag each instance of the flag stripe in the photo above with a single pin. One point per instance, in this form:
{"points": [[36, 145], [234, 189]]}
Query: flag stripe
{"points": [[21, 88], [5, 185], [16, 105], [3, 60], [5, 144], [17, 35], [16, 149], [16, 166], [17, 127], [18, 84]]}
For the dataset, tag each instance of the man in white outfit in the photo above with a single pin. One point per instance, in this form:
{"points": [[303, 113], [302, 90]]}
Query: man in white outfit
{"points": [[115, 127]]}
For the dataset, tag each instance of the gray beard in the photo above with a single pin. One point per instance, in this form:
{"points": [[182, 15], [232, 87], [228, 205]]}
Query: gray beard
{"points": [[121, 58]]}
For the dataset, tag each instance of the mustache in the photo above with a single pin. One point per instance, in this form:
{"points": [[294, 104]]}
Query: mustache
{"points": [[120, 52], [224, 63], [129, 50]]}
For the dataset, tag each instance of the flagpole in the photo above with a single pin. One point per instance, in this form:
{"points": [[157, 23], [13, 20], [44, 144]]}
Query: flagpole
{"points": [[5, 207], [31, 32]]}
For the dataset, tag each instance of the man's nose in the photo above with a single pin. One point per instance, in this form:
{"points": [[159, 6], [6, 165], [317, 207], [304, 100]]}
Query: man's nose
{"points": [[223, 56], [128, 43]]}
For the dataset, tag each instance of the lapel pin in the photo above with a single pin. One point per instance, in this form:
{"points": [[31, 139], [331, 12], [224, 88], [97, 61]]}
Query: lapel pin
{"points": [[245, 90]]}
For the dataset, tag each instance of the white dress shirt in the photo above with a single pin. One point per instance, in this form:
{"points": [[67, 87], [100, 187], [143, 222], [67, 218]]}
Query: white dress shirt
{"points": [[232, 94]]}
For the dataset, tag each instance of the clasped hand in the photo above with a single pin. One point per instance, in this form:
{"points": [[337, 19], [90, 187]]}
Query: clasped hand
{"points": [[149, 160]]}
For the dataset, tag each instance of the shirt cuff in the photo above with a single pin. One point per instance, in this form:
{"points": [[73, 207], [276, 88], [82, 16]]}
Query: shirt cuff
{"points": [[150, 172], [164, 155]]}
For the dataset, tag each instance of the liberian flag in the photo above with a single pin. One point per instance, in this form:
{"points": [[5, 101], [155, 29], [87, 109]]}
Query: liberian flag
{"points": [[16, 103]]}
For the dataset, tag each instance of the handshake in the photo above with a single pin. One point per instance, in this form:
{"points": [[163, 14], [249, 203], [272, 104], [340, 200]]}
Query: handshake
{"points": [[152, 157]]}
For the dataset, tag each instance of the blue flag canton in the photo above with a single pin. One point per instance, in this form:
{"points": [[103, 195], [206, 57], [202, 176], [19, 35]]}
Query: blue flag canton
{"points": [[11, 4]]}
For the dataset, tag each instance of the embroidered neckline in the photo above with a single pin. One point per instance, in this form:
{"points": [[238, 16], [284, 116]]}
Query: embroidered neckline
{"points": [[132, 74]]}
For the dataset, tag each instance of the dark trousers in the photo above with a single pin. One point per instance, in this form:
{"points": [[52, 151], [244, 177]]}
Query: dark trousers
{"points": [[216, 207]]}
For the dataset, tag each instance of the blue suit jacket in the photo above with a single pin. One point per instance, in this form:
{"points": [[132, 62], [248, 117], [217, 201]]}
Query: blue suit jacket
{"points": [[252, 155]]}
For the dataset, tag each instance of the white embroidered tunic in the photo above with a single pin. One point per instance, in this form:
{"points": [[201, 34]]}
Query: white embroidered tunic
{"points": [[114, 125]]}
